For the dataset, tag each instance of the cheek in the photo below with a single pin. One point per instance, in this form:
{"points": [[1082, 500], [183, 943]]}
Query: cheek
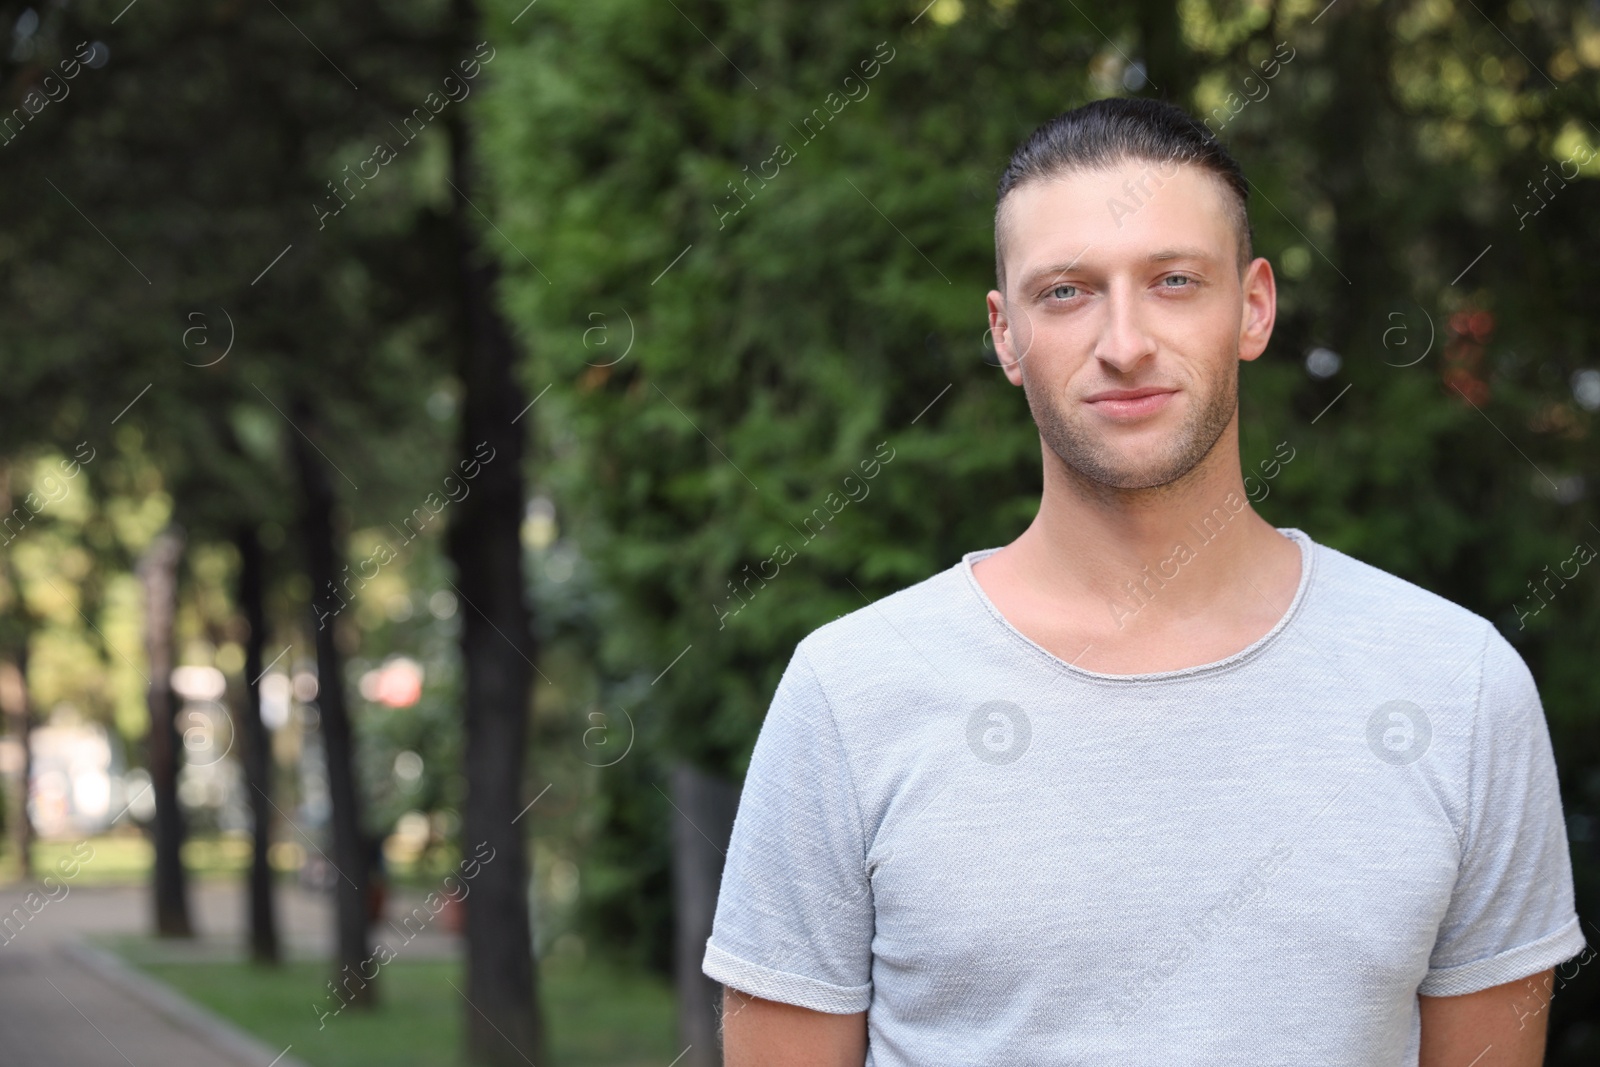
{"points": [[1064, 340], [1033, 348], [1021, 337], [1062, 364], [1205, 366], [1208, 329]]}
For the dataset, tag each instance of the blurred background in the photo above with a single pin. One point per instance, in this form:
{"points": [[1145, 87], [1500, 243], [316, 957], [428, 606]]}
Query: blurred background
{"points": [[423, 433]]}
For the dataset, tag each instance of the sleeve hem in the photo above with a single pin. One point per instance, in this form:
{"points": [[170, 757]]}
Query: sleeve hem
{"points": [[784, 987], [1506, 967]]}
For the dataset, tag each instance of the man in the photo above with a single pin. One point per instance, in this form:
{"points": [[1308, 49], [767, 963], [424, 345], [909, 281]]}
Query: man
{"points": [[1156, 783]]}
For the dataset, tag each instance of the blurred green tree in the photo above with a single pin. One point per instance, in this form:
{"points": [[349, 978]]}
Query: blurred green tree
{"points": [[799, 260]]}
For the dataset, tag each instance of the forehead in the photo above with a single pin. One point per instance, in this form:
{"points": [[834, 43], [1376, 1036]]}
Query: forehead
{"points": [[1113, 215]]}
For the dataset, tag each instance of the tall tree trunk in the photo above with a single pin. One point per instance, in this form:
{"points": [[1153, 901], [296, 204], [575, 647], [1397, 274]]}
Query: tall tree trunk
{"points": [[1360, 50], [1168, 61], [497, 651], [19, 724], [16, 629], [349, 855], [257, 753], [702, 824], [158, 573]]}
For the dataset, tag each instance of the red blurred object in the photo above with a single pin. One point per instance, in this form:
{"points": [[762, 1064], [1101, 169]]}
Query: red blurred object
{"points": [[453, 916], [1463, 354], [1474, 389], [377, 894], [397, 684], [399, 687]]}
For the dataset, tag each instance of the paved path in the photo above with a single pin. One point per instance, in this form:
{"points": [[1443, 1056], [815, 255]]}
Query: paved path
{"points": [[61, 1006], [55, 1012]]}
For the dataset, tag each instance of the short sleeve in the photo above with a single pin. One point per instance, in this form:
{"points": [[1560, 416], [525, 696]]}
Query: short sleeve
{"points": [[1511, 914], [794, 920]]}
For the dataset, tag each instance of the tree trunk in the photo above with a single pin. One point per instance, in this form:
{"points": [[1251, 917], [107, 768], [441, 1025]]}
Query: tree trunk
{"points": [[705, 809], [19, 724], [257, 754], [158, 573], [1168, 61], [328, 600], [497, 650]]}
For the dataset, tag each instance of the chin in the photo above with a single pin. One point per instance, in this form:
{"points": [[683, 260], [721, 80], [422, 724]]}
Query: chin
{"points": [[1114, 471], [1134, 481]]}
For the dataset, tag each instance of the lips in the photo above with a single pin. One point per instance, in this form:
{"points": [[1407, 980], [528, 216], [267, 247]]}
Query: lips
{"points": [[1130, 403]]}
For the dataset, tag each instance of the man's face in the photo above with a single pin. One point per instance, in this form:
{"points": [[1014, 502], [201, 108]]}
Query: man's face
{"points": [[1125, 316]]}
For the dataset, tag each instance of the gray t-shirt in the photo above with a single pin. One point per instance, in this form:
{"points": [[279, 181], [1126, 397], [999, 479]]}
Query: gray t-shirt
{"points": [[1005, 859]]}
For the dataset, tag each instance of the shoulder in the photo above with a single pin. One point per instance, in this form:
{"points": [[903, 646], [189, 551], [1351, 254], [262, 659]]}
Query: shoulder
{"points": [[896, 638], [850, 677], [1372, 607]]}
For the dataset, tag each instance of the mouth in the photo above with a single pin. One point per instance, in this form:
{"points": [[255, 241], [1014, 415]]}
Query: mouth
{"points": [[1130, 403]]}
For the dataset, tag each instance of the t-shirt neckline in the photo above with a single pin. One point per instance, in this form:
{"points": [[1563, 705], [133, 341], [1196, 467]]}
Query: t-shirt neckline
{"points": [[1308, 558]]}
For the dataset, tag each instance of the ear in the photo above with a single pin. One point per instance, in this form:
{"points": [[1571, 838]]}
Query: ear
{"points": [[1009, 344], [1260, 310]]}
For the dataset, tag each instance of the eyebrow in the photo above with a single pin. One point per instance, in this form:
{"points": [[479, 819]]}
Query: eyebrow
{"points": [[1159, 256], [1179, 253], [1035, 277]]}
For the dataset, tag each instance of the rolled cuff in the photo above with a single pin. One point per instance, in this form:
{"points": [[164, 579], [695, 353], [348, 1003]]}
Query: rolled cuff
{"points": [[1508, 966], [787, 988]]}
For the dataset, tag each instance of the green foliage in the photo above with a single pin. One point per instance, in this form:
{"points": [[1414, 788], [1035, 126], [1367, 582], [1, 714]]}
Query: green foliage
{"points": [[762, 372]]}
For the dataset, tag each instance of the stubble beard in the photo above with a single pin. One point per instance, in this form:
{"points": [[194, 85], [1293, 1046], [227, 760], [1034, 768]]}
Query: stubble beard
{"points": [[1098, 463]]}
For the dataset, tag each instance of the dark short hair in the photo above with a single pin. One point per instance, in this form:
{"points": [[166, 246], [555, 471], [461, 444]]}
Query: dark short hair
{"points": [[1107, 132]]}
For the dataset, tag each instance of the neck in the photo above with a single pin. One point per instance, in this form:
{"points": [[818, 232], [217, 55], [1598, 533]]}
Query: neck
{"points": [[1164, 553]]}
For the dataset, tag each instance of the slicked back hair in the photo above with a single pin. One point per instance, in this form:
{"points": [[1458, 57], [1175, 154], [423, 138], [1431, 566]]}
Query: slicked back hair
{"points": [[1107, 132]]}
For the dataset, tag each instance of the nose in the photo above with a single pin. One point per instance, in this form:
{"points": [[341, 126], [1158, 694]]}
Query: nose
{"points": [[1123, 342]]}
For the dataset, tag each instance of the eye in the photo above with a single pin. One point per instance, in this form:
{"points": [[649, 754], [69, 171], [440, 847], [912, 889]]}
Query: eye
{"points": [[1177, 281], [1064, 292]]}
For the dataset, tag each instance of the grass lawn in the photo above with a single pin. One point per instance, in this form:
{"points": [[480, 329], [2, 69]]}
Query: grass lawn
{"points": [[595, 1015], [117, 859], [126, 858]]}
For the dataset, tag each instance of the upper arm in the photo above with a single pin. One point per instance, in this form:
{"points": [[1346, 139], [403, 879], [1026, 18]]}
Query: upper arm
{"points": [[766, 1033], [795, 915], [1502, 1026], [1510, 913], [1511, 910]]}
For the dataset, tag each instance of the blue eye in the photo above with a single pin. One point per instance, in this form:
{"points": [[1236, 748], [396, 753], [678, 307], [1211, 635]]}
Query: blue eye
{"points": [[1064, 292], [1184, 279]]}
